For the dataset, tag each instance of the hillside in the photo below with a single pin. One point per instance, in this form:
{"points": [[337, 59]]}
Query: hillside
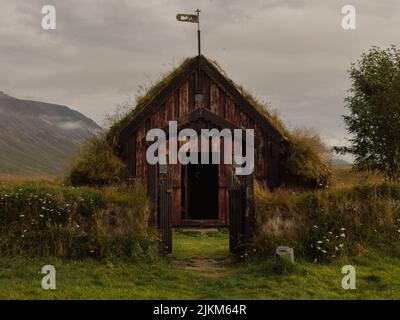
{"points": [[38, 138]]}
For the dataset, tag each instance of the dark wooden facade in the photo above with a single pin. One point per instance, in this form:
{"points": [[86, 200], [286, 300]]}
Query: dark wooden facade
{"points": [[223, 106]]}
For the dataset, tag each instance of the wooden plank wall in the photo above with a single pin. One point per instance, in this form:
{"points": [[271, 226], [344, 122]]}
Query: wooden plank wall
{"points": [[180, 103]]}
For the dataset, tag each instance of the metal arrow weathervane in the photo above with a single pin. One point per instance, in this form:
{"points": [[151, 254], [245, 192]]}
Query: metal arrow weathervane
{"points": [[193, 18]]}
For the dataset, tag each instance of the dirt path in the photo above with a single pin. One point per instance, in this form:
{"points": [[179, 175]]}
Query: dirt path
{"points": [[204, 254]]}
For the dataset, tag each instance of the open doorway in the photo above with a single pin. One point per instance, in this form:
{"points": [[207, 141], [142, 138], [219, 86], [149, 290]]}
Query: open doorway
{"points": [[199, 192]]}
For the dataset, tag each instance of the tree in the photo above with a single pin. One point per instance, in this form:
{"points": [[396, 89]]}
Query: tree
{"points": [[374, 105]]}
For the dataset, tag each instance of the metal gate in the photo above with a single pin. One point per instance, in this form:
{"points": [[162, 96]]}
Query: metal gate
{"points": [[237, 211], [164, 212]]}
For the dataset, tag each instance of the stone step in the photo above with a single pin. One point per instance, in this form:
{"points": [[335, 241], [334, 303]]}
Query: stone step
{"points": [[199, 231]]}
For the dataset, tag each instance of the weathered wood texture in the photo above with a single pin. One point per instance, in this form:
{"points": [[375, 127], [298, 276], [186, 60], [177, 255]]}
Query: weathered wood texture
{"points": [[224, 104]]}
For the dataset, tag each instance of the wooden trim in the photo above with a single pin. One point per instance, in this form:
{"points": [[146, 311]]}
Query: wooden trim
{"points": [[201, 223]]}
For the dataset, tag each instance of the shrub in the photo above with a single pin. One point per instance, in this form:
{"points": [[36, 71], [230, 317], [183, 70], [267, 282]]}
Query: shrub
{"points": [[324, 225], [45, 220], [96, 164], [309, 160]]}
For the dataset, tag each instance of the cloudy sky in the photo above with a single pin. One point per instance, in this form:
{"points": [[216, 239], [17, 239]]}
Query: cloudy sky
{"points": [[293, 54]]}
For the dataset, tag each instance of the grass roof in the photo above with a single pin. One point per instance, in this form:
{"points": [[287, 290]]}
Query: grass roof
{"points": [[165, 79]]}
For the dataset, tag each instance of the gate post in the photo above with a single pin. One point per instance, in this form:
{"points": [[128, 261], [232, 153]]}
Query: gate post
{"points": [[164, 217], [152, 191], [249, 216]]}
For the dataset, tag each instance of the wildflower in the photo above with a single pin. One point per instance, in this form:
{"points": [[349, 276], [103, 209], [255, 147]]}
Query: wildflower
{"points": [[319, 241], [77, 225], [343, 235], [336, 248], [342, 229], [323, 251], [40, 215], [22, 215], [315, 226], [341, 245]]}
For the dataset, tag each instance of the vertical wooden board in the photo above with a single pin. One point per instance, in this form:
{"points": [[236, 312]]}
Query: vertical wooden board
{"points": [[132, 156], [260, 159], [222, 205], [265, 155], [138, 154], [230, 110], [176, 206], [176, 104], [206, 92], [236, 114], [221, 104], [214, 98], [170, 108], [154, 120], [163, 115], [191, 92], [184, 99], [242, 121]]}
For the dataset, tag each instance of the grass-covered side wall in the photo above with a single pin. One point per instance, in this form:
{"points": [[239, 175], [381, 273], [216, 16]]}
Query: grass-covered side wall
{"points": [[324, 225], [49, 220], [96, 165]]}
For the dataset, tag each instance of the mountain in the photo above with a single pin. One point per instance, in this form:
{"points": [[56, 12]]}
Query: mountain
{"points": [[38, 138], [340, 162]]}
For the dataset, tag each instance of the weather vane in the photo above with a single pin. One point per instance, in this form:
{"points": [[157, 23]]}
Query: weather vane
{"points": [[193, 18]]}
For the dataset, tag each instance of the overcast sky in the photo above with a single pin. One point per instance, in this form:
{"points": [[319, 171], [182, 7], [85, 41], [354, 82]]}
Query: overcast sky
{"points": [[292, 54]]}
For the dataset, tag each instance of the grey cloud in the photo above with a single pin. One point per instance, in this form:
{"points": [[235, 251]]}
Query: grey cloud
{"points": [[292, 54]]}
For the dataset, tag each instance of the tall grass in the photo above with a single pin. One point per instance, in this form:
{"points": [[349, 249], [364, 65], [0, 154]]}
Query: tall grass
{"points": [[96, 165], [324, 225], [48, 220]]}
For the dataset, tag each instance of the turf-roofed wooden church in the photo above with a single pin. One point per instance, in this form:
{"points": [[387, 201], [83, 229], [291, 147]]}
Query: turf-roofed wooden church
{"points": [[199, 95]]}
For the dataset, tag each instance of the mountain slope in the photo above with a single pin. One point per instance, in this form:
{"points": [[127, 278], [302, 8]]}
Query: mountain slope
{"points": [[38, 138]]}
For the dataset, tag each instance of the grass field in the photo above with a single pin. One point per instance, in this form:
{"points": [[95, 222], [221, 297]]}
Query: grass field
{"points": [[199, 268]]}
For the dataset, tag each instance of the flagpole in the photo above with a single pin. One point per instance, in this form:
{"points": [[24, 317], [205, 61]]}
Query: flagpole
{"points": [[198, 31]]}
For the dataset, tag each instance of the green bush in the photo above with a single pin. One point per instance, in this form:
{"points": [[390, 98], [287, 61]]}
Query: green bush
{"points": [[44, 220], [309, 160], [96, 165], [324, 225]]}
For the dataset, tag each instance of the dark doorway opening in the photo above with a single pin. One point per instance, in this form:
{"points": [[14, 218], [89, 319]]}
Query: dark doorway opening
{"points": [[200, 191]]}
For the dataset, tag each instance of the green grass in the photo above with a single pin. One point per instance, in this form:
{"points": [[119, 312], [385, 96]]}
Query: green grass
{"points": [[189, 247], [378, 277]]}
